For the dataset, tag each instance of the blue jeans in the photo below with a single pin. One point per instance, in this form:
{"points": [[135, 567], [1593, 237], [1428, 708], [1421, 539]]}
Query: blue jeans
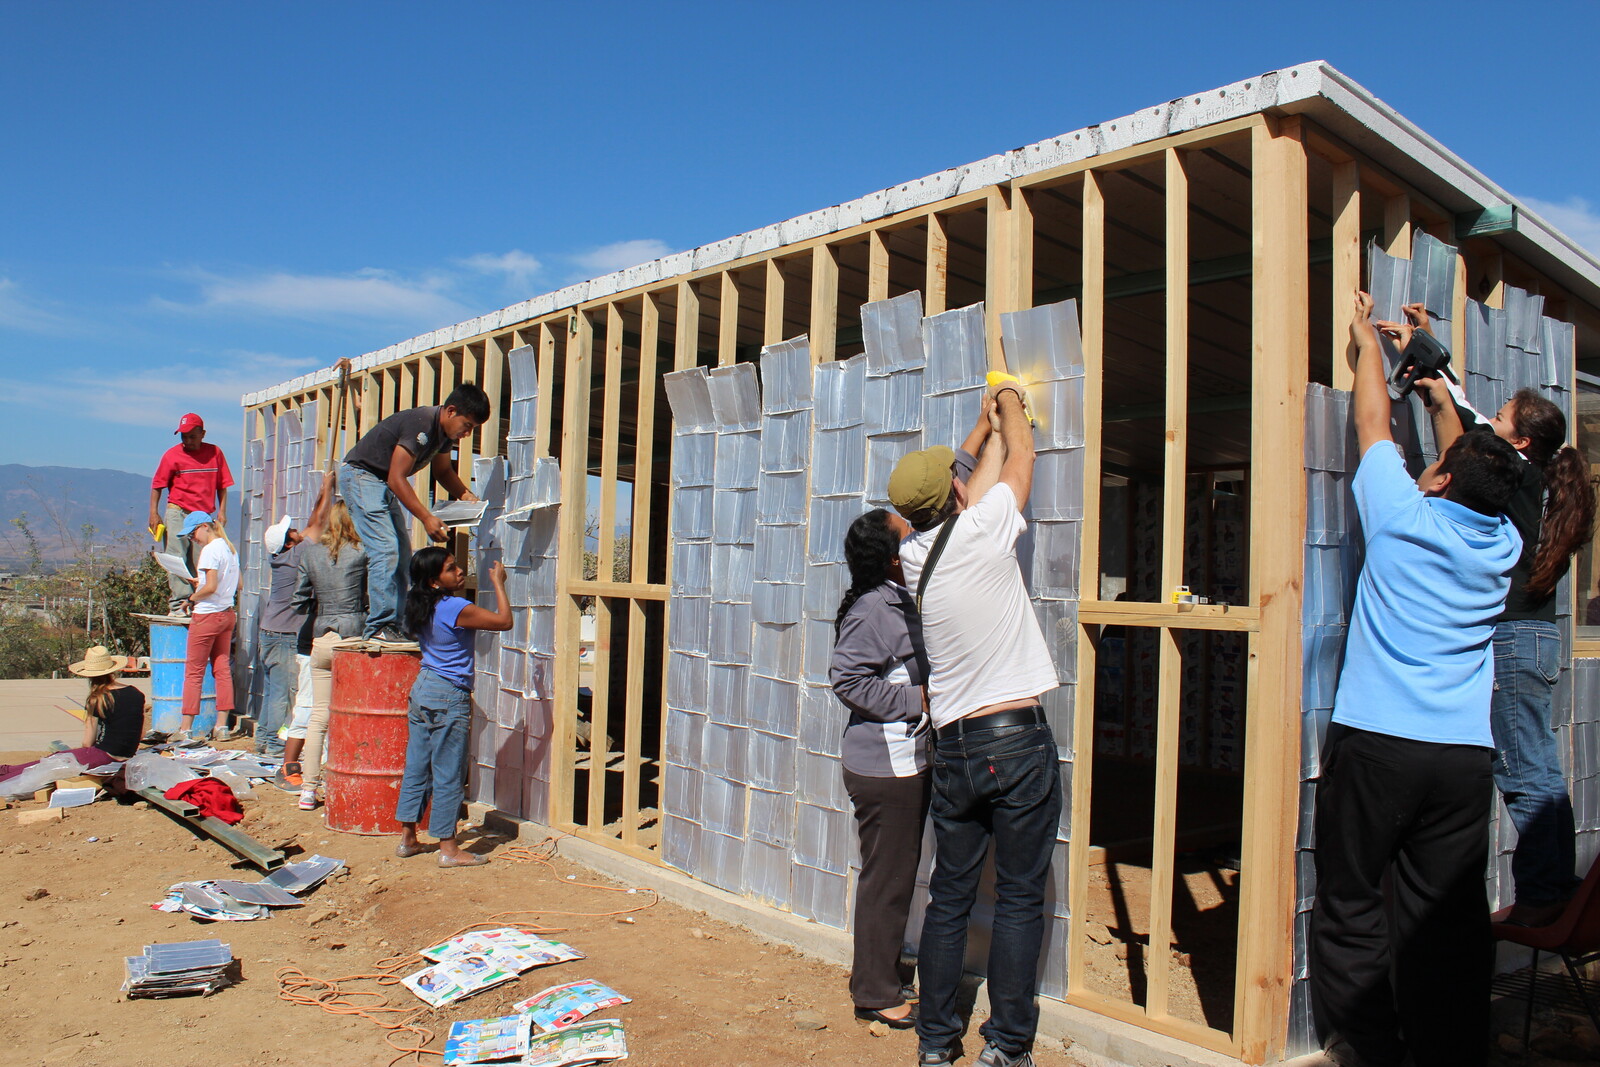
{"points": [[1527, 765], [436, 753], [1002, 784], [283, 675], [385, 534]]}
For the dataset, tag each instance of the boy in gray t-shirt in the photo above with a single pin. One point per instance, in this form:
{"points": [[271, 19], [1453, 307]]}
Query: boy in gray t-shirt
{"points": [[376, 480]]}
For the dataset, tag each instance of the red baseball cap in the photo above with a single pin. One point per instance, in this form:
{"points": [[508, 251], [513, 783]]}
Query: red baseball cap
{"points": [[189, 422]]}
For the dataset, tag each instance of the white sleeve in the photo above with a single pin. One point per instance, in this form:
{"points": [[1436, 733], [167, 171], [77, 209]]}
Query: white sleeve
{"points": [[997, 517]]}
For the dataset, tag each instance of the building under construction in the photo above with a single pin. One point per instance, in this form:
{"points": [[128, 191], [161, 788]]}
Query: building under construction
{"points": [[676, 449]]}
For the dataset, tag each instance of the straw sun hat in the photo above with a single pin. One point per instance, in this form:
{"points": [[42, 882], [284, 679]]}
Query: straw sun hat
{"points": [[96, 662]]}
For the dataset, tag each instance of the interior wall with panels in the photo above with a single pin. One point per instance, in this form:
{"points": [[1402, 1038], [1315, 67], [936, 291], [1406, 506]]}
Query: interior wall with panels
{"points": [[281, 476], [1215, 529], [514, 686], [769, 469], [1507, 349]]}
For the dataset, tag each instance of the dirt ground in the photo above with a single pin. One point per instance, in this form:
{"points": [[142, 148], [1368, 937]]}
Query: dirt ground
{"points": [[704, 992]]}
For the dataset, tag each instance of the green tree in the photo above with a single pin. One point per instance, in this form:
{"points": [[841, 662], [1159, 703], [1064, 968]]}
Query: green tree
{"points": [[140, 588], [35, 557], [33, 647], [48, 619]]}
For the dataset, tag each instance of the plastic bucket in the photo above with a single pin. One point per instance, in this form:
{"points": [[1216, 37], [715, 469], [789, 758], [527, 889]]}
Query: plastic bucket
{"points": [[367, 739], [169, 651]]}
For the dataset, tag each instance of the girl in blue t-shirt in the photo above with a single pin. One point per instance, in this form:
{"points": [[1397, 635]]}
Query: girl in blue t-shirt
{"points": [[441, 698]]}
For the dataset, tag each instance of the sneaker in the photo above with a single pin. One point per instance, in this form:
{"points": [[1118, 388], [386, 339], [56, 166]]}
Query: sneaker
{"points": [[389, 637], [288, 779], [944, 1057], [181, 737], [308, 799], [992, 1056]]}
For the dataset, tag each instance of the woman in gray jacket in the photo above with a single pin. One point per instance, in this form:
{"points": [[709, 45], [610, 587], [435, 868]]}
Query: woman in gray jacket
{"points": [[878, 671], [333, 589]]}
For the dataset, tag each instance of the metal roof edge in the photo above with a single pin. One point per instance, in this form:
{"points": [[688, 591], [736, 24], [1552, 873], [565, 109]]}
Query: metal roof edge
{"points": [[1413, 154], [1314, 87]]}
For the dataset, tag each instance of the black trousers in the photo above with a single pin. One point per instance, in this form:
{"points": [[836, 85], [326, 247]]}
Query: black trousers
{"points": [[1401, 954], [889, 817]]}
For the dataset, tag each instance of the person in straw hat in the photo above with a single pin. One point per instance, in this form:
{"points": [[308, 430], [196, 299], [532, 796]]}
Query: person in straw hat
{"points": [[114, 712]]}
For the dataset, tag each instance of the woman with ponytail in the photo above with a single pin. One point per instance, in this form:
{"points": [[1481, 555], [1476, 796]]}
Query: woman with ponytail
{"points": [[878, 671], [211, 623], [443, 623], [1553, 509]]}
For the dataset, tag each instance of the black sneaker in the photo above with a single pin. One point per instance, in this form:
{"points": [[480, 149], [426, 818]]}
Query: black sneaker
{"points": [[992, 1056], [944, 1057]]}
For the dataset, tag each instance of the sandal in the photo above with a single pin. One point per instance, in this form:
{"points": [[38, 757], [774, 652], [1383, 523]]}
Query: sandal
{"points": [[466, 859]]}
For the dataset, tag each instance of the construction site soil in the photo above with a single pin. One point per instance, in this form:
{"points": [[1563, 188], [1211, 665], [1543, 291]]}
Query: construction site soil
{"points": [[77, 896]]}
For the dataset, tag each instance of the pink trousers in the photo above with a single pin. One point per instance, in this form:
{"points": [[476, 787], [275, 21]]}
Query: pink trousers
{"points": [[210, 641]]}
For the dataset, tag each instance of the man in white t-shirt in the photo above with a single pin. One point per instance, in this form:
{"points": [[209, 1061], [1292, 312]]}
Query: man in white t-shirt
{"points": [[994, 770]]}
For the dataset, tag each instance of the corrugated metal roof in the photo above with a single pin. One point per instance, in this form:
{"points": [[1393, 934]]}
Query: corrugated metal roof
{"points": [[1315, 89]]}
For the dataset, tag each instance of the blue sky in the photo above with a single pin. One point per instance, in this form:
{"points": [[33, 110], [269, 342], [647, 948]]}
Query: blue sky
{"points": [[206, 198]]}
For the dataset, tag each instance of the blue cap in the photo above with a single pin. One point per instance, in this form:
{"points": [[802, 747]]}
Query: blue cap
{"points": [[195, 520]]}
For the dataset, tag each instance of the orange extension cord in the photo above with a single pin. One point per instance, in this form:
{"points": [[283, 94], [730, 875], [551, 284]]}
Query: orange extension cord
{"points": [[329, 994]]}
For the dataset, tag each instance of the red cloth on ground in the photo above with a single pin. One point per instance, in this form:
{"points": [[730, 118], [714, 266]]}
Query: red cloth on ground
{"points": [[212, 797]]}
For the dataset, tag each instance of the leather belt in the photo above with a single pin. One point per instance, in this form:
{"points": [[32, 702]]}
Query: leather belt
{"points": [[992, 721]]}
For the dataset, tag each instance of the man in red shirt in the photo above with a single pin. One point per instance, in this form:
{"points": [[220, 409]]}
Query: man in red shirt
{"points": [[196, 478]]}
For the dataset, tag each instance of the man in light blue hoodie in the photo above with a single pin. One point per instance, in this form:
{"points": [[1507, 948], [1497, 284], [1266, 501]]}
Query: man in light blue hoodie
{"points": [[1407, 770]]}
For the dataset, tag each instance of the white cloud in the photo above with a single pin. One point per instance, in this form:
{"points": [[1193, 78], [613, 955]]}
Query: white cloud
{"points": [[608, 258], [20, 313], [157, 396], [371, 294], [518, 267], [1574, 216]]}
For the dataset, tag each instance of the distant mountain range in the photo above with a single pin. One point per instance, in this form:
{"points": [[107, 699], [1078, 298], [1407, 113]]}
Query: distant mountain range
{"points": [[57, 503]]}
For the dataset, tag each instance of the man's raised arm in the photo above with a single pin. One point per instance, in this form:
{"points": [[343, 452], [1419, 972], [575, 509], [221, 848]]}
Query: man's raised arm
{"points": [[1017, 434]]}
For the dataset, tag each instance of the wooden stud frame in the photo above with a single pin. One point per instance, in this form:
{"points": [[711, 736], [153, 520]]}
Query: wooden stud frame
{"points": [[1272, 739], [1158, 960], [565, 343], [574, 514], [1346, 268]]}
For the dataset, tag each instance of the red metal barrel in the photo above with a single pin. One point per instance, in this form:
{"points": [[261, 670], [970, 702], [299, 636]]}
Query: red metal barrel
{"points": [[367, 738]]}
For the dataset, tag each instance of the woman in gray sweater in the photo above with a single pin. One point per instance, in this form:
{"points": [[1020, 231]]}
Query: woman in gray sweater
{"points": [[878, 671], [333, 587]]}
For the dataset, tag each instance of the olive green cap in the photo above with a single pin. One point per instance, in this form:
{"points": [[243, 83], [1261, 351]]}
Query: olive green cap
{"points": [[921, 481]]}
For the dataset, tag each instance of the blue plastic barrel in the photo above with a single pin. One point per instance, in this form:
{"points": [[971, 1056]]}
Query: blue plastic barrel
{"points": [[169, 648]]}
